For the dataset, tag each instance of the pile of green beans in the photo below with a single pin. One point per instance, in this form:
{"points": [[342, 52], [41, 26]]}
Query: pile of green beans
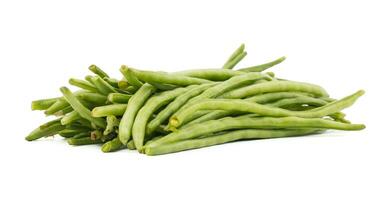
{"points": [[159, 112]]}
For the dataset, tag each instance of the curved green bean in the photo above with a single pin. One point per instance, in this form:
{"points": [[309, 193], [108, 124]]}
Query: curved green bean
{"points": [[226, 137], [43, 104], [234, 55], [45, 130], [235, 61], [211, 74], [119, 98], [134, 105], [83, 141], [82, 84], [112, 145], [98, 71], [262, 67], [130, 76], [70, 117], [229, 123], [166, 78], [275, 86], [95, 98], [102, 86], [80, 108]]}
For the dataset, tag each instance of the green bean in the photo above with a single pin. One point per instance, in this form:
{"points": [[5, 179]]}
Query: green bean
{"points": [[81, 109], [298, 100], [235, 54], [131, 89], [160, 86], [112, 145], [260, 68], [130, 76], [43, 104], [111, 122], [229, 123], [104, 111], [145, 113], [211, 74], [82, 141], [57, 106], [81, 135], [83, 84], [119, 98], [96, 135], [275, 86], [134, 105], [166, 78], [70, 117], [113, 82], [89, 78], [263, 110], [123, 84], [95, 98], [223, 87], [225, 137], [174, 106], [98, 71], [102, 86], [235, 61], [45, 130], [270, 97], [68, 133]]}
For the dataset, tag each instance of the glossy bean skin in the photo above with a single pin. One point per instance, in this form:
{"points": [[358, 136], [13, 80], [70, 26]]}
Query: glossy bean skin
{"points": [[226, 137], [262, 67], [262, 110], [134, 105], [275, 86], [153, 104], [174, 106], [167, 78], [229, 123]]}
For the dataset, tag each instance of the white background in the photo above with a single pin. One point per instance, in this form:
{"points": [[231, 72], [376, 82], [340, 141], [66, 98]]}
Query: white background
{"points": [[342, 45]]}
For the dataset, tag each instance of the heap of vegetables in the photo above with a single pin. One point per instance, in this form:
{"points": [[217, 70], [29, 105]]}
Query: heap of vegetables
{"points": [[158, 112]]}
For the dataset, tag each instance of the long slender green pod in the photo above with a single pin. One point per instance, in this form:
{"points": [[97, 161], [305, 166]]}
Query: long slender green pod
{"points": [[43, 104], [235, 61], [262, 67], [275, 86], [235, 54], [130, 76], [82, 84], [82, 141], [134, 105], [211, 74], [82, 110], [226, 137], [45, 130], [119, 98], [98, 71], [166, 78], [104, 111], [229, 123], [102, 86], [112, 145]]}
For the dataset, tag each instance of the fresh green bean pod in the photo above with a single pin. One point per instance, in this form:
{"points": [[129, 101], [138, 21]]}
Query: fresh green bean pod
{"points": [[134, 105], [235, 61], [229, 123], [112, 145], [48, 129], [211, 74], [70, 117], [98, 71], [82, 84], [57, 106], [102, 86], [113, 82], [119, 98], [226, 137], [83, 141], [260, 68], [68, 133], [235, 54], [130, 76], [145, 113], [131, 145], [275, 86], [43, 104], [104, 111], [298, 100], [82, 110], [166, 78], [94, 98], [81, 135]]}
